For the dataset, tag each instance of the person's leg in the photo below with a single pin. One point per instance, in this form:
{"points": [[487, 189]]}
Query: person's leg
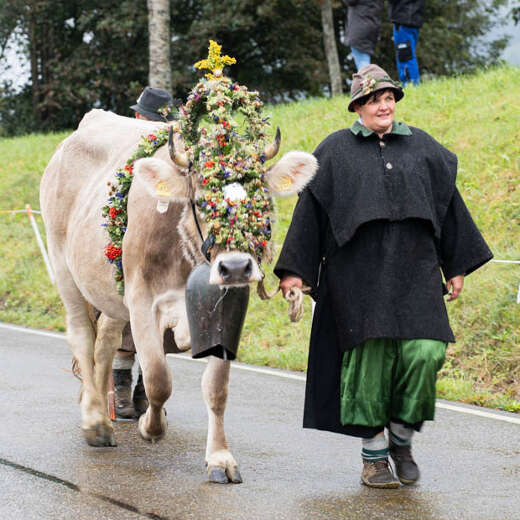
{"points": [[401, 452], [376, 468], [122, 372], [126, 406], [140, 399], [361, 59], [366, 379], [362, 30], [413, 398], [405, 42], [366, 383]]}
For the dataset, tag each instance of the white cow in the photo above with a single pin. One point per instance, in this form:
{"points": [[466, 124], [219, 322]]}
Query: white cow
{"points": [[160, 249]]}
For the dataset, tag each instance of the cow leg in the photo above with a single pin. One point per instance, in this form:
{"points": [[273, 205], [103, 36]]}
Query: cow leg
{"points": [[158, 386], [156, 376], [108, 340], [81, 338], [222, 467]]}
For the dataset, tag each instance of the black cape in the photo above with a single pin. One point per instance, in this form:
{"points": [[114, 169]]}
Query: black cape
{"points": [[370, 235]]}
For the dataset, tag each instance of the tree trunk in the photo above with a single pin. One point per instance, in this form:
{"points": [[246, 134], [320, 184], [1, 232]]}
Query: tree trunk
{"points": [[159, 74], [331, 51], [35, 82]]}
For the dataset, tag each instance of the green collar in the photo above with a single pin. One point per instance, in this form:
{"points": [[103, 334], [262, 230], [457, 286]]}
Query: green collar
{"points": [[397, 129]]}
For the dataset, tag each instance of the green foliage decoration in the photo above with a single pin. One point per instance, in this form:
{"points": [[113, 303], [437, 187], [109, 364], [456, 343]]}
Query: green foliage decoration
{"points": [[115, 211]]}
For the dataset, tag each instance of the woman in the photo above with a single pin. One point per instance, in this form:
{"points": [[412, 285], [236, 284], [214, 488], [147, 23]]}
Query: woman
{"points": [[371, 234]]}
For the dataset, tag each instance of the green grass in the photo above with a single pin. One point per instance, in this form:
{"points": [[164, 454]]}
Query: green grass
{"points": [[474, 116]]}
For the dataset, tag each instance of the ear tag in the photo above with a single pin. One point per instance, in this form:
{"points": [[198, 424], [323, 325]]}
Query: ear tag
{"points": [[162, 191], [162, 206]]}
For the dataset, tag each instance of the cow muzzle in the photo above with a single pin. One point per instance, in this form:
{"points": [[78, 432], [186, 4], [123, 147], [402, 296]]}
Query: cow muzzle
{"points": [[234, 269]]}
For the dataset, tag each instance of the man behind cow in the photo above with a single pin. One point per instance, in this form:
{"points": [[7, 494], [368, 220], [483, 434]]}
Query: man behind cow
{"points": [[154, 104]]}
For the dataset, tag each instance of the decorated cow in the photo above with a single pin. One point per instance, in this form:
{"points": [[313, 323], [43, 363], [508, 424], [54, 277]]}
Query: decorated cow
{"points": [[133, 210]]}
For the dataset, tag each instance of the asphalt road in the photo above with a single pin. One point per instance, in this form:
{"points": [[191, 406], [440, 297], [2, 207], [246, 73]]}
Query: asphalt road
{"points": [[470, 463]]}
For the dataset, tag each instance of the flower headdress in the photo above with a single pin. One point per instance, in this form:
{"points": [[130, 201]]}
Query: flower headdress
{"points": [[229, 157]]}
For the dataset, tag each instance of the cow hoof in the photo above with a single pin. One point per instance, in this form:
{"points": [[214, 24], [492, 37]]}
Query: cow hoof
{"points": [[219, 475], [153, 437], [234, 476], [100, 436]]}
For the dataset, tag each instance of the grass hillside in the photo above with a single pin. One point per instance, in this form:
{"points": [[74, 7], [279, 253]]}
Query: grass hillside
{"points": [[477, 117]]}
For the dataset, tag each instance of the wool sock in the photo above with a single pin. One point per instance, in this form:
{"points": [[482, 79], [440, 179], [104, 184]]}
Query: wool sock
{"points": [[375, 448], [400, 435], [123, 362]]}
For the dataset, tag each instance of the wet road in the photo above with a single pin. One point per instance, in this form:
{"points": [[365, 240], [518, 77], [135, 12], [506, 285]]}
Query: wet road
{"points": [[470, 464]]}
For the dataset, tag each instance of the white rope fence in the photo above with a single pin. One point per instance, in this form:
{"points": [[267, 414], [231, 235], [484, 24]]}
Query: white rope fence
{"points": [[39, 240], [20, 211]]}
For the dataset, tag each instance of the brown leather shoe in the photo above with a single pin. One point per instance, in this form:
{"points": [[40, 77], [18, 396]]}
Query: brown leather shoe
{"points": [[379, 474], [123, 394], [405, 467]]}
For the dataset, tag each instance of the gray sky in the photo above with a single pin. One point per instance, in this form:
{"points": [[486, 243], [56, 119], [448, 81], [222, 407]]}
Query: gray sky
{"points": [[512, 52]]}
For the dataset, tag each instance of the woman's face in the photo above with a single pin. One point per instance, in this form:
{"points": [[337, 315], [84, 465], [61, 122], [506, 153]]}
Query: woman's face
{"points": [[378, 112]]}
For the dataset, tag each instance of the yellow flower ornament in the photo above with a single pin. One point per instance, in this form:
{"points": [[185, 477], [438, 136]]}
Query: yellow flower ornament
{"points": [[215, 62]]}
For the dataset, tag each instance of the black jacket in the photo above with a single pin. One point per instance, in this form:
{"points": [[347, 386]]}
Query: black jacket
{"points": [[363, 23], [371, 235], [407, 12]]}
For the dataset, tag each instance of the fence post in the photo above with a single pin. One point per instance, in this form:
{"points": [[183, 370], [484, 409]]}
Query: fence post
{"points": [[40, 243]]}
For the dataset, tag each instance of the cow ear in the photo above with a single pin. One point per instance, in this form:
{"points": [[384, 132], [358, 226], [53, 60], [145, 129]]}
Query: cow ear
{"points": [[291, 173], [161, 179]]}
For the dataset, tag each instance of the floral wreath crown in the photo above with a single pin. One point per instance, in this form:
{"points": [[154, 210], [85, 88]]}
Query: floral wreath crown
{"points": [[234, 199]]}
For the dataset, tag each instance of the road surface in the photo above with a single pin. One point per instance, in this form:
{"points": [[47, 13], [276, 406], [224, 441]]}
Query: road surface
{"points": [[470, 463]]}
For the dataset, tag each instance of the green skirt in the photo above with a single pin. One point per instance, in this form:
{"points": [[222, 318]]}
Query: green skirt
{"points": [[384, 379]]}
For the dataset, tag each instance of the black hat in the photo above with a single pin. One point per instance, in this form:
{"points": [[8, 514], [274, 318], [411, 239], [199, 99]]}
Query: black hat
{"points": [[156, 104]]}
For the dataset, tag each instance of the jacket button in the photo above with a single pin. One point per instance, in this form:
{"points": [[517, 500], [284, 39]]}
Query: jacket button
{"points": [[388, 166]]}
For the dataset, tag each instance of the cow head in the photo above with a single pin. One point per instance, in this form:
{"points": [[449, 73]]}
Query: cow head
{"points": [[218, 157]]}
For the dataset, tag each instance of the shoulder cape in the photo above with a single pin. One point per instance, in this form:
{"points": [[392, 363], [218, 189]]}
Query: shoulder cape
{"points": [[359, 180]]}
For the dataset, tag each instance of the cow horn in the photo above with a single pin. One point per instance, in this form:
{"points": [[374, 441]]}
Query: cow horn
{"points": [[272, 149], [178, 158]]}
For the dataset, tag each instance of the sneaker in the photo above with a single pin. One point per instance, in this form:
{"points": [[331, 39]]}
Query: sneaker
{"points": [[378, 474], [405, 467]]}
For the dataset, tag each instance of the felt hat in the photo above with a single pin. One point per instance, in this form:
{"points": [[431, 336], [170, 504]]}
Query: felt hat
{"points": [[370, 79], [156, 104]]}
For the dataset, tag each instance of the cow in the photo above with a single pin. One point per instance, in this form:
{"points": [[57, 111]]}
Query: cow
{"points": [[161, 247]]}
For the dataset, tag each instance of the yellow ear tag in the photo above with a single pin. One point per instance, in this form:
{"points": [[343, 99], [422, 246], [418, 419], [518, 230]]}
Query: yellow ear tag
{"points": [[285, 183], [162, 191]]}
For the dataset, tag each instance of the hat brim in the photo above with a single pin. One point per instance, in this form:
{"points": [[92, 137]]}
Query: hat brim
{"points": [[398, 93], [153, 116]]}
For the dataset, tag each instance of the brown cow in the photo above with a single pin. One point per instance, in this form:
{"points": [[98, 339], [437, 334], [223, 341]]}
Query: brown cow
{"points": [[160, 250]]}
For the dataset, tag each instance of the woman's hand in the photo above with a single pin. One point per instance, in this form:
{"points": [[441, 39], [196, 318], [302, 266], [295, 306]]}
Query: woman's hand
{"points": [[288, 282], [454, 286]]}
